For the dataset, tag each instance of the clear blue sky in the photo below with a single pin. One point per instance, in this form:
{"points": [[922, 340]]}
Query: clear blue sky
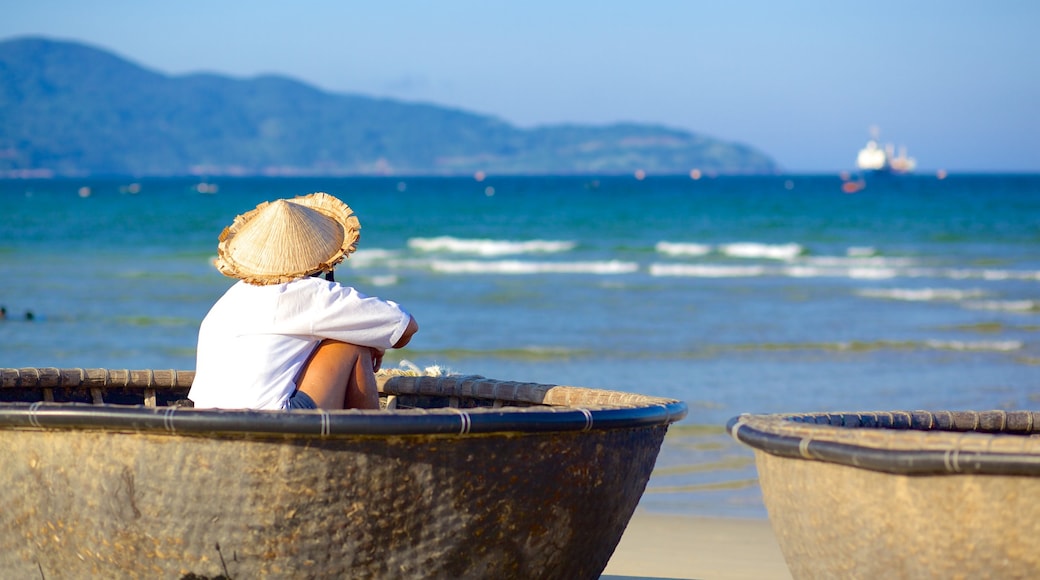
{"points": [[956, 82]]}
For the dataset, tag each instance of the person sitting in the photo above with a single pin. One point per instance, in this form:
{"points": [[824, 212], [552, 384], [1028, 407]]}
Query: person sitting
{"points": [[283, 337]]}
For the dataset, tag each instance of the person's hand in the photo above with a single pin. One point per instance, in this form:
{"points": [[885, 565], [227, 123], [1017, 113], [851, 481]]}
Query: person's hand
{"points": [[377, 359]]}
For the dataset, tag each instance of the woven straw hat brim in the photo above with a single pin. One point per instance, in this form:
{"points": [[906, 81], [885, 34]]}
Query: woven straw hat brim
{"points": [[286, 239]]}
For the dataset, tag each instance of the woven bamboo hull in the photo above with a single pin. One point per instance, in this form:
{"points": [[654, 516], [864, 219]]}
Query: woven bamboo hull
{"points": [[142, 502], [901, 495], [111, 505]]}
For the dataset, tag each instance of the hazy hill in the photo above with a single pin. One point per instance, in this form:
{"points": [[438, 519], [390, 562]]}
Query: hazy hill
{"points": [[69, 109]]}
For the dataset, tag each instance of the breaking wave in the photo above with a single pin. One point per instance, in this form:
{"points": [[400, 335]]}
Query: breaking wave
{"points": [[488, 247], [745, 250], [875, 345], [756, 250], [683, 249], [864, 272], [920, 294], [525, 267], [707, 270], [362, 258], [1005, 305]]}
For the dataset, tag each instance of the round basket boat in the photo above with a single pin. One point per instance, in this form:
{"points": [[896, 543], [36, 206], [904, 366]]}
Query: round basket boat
{"points": [[106, 474], [901, 494]]}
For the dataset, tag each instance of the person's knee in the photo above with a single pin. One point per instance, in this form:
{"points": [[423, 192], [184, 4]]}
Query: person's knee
{"points": [[341, 350], [335, 370], [364, 353]]}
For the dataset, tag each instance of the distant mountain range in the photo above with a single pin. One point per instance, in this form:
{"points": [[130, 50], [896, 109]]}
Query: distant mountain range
{"points": [[67, 109]]}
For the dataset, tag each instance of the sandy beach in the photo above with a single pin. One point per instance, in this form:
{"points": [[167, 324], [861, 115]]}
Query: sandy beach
{"points": [[657, 546]]}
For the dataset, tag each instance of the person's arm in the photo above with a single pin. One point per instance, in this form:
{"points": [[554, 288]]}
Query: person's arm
{"points": [[413, 327], [377, 354]]}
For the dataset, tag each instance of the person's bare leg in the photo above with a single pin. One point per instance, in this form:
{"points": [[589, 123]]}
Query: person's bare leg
{"points": [[340, 375], [363, 392]]}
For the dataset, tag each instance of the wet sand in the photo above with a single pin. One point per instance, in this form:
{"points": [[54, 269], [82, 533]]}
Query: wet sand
{"points": [[656, 546]]}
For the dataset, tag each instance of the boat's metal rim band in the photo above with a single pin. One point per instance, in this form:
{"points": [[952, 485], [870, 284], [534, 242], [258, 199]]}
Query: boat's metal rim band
{"points": [[902, 442], [554, 408]]}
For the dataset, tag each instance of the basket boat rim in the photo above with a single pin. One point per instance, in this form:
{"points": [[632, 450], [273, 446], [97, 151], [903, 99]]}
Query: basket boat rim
{"points": [[994, 442], [553, 408]]}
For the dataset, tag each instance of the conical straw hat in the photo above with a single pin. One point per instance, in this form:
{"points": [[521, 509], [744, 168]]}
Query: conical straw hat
{"points": [[286, 239]]}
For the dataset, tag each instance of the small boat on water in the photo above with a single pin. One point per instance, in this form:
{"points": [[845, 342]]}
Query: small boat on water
{"points": [[108, 474], [901, 494]]}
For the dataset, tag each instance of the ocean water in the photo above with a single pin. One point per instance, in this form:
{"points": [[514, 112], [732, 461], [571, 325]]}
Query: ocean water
{"points": [[734, 294]]}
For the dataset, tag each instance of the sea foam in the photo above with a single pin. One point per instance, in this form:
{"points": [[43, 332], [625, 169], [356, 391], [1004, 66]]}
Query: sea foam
{"points": [[526, 267], [920, 294], [1005, 305], [363, 258], [488, 247], [706, 270], [746, 250], [757, 250], [683, 249]]}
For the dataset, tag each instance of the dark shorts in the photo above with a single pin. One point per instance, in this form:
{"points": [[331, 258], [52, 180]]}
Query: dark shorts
{"points": [[301, 400]]}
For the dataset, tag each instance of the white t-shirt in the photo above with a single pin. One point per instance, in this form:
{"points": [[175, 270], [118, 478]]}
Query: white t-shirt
{"points": [[255, 339]]}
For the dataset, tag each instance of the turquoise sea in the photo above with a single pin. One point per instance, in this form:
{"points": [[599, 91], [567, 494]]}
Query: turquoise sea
{"points": [[734, 294]]}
